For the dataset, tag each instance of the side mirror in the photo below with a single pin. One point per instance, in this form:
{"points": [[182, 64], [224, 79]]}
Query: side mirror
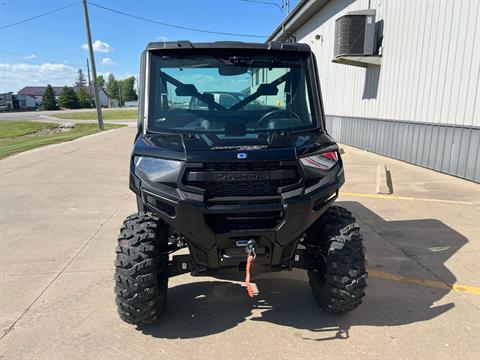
{"points": [[186, 90], [267, 89]]}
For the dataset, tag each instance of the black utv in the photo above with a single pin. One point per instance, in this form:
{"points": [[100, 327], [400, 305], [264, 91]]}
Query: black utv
{"points": [[245, 184]]}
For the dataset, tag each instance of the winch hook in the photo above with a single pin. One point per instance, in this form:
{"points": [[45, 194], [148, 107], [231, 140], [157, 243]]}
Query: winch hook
{"points": [[251, 255]]}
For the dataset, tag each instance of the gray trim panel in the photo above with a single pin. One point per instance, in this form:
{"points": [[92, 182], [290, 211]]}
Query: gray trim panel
{"points": [[447, 148]]}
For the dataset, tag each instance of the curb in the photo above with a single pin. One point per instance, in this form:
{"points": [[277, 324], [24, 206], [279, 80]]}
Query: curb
{"points": [[383, 180]]}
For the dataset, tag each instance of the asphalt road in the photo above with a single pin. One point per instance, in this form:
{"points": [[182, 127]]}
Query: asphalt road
{"points": [[47, 115], [27, 115], [62, 206]]}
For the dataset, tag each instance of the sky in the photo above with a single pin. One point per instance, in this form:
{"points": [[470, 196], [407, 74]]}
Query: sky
{"points": [[51, 49]]}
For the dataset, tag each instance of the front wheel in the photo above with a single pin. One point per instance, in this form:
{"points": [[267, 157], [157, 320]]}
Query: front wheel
{"points": [[339, 280], [140, 279]]}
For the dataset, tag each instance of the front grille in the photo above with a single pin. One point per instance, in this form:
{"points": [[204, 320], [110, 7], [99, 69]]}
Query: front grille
{"points": [[220, 223], [241, 178], [254, 188], [243, 166]]}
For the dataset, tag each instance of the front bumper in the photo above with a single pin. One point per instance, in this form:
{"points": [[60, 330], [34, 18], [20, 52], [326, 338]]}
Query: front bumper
{"points": [[215, 251]]}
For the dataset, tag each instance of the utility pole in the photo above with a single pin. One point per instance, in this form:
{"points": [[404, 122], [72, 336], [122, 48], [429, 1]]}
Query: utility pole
{"points": [[88, 72], [94, 70], [89, 83], [119, 94]]}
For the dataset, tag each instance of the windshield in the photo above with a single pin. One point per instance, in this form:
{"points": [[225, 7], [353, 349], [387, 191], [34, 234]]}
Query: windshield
{"points": [[230, 94]]}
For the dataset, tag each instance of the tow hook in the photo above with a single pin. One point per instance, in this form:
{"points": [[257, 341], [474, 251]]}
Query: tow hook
{"points": [[251, 255]]}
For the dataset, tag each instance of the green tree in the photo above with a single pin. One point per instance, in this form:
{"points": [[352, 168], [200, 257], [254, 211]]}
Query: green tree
{"points": [[112, 87], [127, 89], [101, 81], [48, 99], [68, 99], [84, 98], [80, 80]]}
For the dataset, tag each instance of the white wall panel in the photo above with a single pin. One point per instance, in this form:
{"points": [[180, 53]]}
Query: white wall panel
{"points": [[430, 65]]}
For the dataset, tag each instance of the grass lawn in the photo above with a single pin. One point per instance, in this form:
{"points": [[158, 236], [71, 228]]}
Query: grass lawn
{"points": [[124, 114], [18, 136], [10, 128]]}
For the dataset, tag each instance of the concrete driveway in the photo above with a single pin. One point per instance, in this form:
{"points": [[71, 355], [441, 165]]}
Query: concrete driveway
{"points": [[61, 208]]}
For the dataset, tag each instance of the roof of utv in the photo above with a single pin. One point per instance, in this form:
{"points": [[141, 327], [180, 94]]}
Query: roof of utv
{"points": [[185, 44]]}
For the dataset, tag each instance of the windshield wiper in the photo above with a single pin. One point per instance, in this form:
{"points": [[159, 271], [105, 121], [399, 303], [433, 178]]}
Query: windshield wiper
{"points": [[192, 91], [260, 91]]}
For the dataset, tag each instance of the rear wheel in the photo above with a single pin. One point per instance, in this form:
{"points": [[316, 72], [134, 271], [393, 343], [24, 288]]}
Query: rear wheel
{"points": [[140, 279], [339, 280]]}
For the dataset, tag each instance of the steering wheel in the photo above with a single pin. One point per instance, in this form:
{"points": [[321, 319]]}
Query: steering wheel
{"points": [[265, 119]]}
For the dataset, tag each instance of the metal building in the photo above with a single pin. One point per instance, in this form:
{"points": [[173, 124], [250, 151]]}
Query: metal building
{"points": [[418, 98]]}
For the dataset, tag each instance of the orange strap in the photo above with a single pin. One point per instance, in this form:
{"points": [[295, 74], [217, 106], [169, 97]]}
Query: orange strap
{"points": [[247, 276]]}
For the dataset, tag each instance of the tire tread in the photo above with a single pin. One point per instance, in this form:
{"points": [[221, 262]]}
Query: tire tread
{"points": [[140, 285], [339, 283]]}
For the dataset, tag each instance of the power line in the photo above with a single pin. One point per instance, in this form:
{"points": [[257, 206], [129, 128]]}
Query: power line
{"points": [[263, 2], [37, 16], [172, 25]]}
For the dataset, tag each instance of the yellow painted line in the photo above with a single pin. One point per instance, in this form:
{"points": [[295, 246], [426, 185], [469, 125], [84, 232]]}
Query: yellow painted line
{"points": [[407, 198], [423, 282]]}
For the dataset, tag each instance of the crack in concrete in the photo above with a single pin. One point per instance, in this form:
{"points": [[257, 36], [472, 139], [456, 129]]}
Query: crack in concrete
{"points": [[65, 272], [12, 327], [29, 165]]}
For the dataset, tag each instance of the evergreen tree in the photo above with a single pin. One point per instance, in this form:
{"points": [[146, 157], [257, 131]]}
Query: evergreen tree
{"points": [[101, 81], [80, 80], [84, 98], [112, 87], [48, 99], [68, 99], [127, 89]]}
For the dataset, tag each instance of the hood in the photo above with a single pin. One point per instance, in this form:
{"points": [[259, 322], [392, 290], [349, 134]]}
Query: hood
{"points": [[208, 147]]}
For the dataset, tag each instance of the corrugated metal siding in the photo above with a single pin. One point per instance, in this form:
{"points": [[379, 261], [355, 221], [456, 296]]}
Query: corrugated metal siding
{"points": [[422, 105], [451, 149], [430, 64]]}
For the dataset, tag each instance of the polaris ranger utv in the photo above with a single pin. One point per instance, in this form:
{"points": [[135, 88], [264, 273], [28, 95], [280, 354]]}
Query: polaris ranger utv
{"points": [[245, 183]]}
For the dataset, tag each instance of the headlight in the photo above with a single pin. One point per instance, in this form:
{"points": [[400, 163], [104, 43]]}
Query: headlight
{"points": [[156, 170], [323, 161]]}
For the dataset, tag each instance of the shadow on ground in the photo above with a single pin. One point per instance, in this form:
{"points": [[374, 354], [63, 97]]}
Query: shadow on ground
{"points": [[210, 307]]}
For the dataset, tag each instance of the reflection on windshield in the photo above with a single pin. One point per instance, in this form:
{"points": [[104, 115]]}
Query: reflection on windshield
{"points": [[229, 95]]}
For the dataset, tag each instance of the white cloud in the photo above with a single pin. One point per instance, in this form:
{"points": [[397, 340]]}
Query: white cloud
{"points": [[162, 38], [125, 75], [104, 74], [108, 61], [30, 57], [99, 46], [121, 76], [16, 76]]}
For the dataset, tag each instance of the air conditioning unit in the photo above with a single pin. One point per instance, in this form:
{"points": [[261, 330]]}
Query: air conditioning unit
{"points": [[356, 39]]}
